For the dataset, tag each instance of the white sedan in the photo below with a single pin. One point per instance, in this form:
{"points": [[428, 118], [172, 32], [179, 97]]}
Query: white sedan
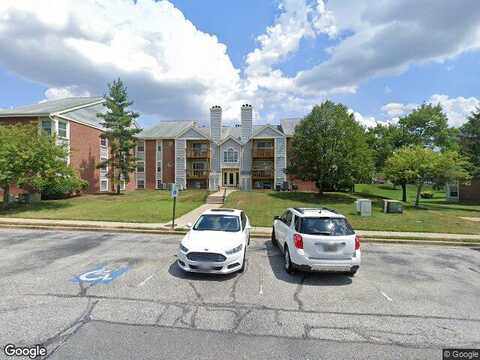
{"points": [[216, 243]]}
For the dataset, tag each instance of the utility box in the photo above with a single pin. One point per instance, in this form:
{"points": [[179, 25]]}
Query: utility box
{"points": [[392, 207], [363, 207]]}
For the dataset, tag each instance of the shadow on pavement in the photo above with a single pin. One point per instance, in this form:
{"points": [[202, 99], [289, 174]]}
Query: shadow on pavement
{"points": [[177, 272], [275, 258]]}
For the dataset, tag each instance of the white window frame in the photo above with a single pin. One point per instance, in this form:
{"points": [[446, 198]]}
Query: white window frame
{"points": [[66, 129], [230, 156], [51, 126], [141, 163], [104, 181], [143, 186]]}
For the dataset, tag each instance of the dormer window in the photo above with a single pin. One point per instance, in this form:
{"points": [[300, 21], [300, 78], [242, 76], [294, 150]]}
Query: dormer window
{"points": [[47, 127], [230, 156]]}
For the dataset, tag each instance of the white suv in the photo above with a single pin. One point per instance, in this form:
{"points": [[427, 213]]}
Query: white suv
{"points": [[316, 240], [216, 243]]}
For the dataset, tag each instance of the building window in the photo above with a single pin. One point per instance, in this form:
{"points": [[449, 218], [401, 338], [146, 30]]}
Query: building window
{"points": [[159, 184], [230, 156], [141, 147], [103, 141], [264, 144], [159, 147], [47, 127], [122, 185], [104, 185], [159, 167], [140, 167], [62, 129], [140, 184], [199, 165]]}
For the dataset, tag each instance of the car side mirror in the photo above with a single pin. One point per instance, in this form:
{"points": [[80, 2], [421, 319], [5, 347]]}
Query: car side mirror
{"points": [[189, 226], [276, 218]]}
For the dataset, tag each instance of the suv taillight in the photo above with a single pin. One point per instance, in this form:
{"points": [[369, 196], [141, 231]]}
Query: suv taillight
{"points": [[298, 241], [357, 242]]}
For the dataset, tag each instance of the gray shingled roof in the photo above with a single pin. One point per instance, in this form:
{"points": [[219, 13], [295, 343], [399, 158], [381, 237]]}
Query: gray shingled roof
{"points": [[288, 125], [165, 130], [87, 115], [50, 106]]}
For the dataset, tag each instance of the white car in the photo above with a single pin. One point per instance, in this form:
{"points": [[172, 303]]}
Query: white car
{"points": [[316, 240], [216, 243]]}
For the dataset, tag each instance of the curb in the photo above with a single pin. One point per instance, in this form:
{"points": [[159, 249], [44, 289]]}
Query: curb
{"points": [[182, 231]]}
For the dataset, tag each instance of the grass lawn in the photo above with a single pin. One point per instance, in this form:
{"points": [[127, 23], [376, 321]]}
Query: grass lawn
{"points": [[436, 215], [135, 206]]}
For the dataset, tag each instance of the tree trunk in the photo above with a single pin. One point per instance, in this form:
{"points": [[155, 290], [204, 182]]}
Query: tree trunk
{"points": [[404, 192], [119, 177], [419, 190], [6, 195]]}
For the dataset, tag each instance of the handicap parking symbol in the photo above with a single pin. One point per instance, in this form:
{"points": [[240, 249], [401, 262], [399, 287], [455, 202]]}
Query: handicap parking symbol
{"points": [[100, 275]]}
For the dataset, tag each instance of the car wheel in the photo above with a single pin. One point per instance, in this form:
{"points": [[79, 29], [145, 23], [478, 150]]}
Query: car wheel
{"points": [[274, 238], [242, 269], [288, 261], [352, 273]]}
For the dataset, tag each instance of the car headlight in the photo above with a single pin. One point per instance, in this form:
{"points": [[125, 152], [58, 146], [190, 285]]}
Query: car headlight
{"points": [[235, 250], [183, 248]]}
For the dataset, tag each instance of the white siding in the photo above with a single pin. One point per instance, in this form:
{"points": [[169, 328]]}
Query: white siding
{"points": [[180, 163], [280, 159]]}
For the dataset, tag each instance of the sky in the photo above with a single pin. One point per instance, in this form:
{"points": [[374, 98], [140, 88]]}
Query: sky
{"points": [[380, 58]]}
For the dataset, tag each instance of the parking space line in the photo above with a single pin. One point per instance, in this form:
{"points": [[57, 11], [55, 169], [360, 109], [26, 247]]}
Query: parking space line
{"points": [[386, 296], [145, 281]]}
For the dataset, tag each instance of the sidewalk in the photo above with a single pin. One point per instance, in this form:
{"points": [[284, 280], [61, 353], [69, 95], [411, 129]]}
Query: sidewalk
{"points": [[261, 232]]}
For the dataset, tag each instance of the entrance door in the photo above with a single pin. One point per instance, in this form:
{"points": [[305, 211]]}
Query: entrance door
{"points": [[230, 178]]}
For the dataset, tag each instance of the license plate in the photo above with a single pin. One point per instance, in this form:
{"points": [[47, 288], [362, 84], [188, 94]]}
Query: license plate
{"points": [[205, 267], [330, 247]]}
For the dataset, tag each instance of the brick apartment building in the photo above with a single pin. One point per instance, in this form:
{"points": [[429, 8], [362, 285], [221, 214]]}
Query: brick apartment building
{"points": [[243, 156], [75, 122]]}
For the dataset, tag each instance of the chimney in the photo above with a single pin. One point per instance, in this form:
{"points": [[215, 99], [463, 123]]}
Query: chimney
{"points": [[247, 122], [215, 123]]}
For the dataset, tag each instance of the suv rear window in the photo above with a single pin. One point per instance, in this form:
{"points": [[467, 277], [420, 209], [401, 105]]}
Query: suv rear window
{"points": [[324, 226]]}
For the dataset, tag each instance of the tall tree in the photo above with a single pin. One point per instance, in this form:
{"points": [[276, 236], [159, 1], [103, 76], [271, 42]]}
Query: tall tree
{"points": [[329, 147], [427, 125], [120, 130], [470, 141], [384, 140], [418, 164]]}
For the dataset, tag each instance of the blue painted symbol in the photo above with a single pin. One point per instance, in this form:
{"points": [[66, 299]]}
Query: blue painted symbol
{"points": [[101, 275]]}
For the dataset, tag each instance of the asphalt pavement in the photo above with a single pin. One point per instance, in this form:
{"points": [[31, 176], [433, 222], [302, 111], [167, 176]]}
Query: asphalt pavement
{"points": [[96, 295]]}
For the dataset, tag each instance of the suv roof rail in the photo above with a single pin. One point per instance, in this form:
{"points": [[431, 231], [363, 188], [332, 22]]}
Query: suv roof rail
{"points": [[331, 210], [300, 210], [223, 210]]}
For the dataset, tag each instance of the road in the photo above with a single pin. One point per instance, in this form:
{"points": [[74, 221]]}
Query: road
{"points": [[406, 302]]}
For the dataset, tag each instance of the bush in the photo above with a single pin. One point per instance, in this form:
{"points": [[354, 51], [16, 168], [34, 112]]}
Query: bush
{"points": [[62, 187], [426, 195]]}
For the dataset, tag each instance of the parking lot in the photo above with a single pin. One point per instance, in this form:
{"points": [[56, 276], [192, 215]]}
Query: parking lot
{"points": [[93, 295]]}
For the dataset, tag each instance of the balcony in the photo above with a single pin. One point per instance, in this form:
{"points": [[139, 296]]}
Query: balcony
{"points": [[263, 174], [198, 153], [263, 152], [197, 174]]}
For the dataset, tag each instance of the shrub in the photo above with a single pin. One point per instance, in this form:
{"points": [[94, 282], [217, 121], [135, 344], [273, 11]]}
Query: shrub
{"points": [[62, 187], [426, 195]]}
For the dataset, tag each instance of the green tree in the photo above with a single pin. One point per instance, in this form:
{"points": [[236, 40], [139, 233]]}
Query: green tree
{"points": [[427, 125], [418, 165], [470, 141], [383, 140], [30, 159], [329, 147], [120, 130]]}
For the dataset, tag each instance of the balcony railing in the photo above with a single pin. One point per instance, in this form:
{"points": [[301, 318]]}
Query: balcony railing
{"points": [[262, 174], [263, 152], [198, 153], [197, 174]]}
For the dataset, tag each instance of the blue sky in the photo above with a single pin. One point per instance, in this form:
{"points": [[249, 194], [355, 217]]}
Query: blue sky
{"points": [[178, 58]]}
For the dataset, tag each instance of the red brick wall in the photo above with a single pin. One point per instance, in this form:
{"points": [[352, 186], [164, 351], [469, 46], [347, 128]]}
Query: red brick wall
{"points": [[150, 164], [307, 186], [470, 192], [168, 161], [85, 153]]}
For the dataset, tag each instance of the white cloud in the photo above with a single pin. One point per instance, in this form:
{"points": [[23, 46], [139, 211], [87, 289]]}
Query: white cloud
{"points": [[64, 92], [171, 68], [457, 109], [366, 121]]}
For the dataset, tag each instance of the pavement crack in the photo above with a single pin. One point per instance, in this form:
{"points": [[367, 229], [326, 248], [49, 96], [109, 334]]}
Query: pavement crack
{"points": [[296, 295], [162, 313], [233, 291], [197, 293], [65, 334]]}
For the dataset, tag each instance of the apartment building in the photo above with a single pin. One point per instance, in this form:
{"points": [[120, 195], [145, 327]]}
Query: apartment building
{"points": [[75, 123], [244, 156]]}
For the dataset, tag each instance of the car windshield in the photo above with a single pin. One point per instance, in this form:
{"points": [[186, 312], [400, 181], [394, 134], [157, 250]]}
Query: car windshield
{"points": [[219, 222], [325, 226]]}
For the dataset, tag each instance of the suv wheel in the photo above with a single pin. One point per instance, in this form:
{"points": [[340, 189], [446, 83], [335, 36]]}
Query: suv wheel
{"points": [[288, 262], [242, 269], [274, 239]]}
